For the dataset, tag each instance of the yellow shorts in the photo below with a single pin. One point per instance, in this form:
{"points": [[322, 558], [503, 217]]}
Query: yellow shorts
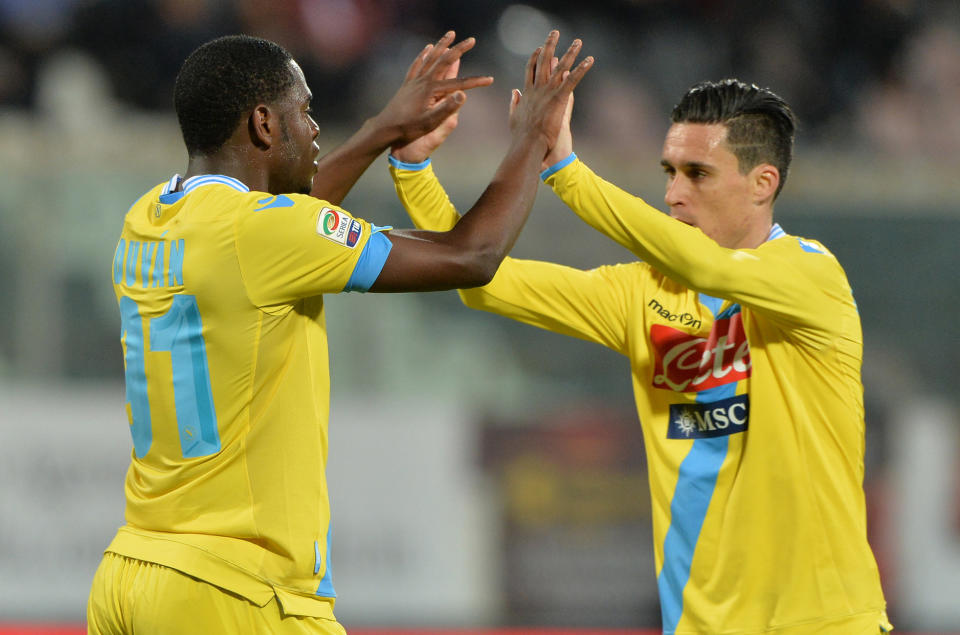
{"points": [[133, 596]]}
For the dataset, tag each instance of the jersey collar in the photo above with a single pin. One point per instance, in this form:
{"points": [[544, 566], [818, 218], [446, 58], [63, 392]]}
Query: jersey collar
{"points": [[177, 182], [776, 232]]}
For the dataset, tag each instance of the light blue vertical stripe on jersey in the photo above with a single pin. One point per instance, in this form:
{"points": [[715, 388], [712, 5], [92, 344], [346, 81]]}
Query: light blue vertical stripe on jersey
{"points": [[696, 481], [326, 584], [711, 303], [695, 485]]}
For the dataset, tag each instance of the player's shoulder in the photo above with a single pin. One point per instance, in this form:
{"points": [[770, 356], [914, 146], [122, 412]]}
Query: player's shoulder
{"points": [[150, 197], [797, 246], [626, 269], [143, 208], [631, 275], [263, 203], [807, 255]]}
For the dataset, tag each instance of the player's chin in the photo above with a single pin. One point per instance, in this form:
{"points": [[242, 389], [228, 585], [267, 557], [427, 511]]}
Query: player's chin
{"points": [[306, 185], [305, 188]]}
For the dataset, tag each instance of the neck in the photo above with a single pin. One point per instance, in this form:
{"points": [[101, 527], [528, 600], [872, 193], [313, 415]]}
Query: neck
{"points": [[755, 237], [235, 164]]}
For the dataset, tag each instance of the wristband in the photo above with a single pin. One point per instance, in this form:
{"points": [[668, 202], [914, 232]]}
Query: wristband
{"points": [[559, 165], [413, 167]]}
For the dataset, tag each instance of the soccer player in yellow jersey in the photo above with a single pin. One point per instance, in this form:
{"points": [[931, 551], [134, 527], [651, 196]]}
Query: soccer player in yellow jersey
{"points": [[745, 350], [220, 277]]}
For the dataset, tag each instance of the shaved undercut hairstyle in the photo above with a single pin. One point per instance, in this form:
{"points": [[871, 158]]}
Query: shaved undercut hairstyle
{"points": [[221, 82], [760, 125]]}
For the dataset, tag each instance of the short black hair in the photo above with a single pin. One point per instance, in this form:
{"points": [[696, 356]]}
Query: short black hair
{"points": [[760, 124], [221, 81]]}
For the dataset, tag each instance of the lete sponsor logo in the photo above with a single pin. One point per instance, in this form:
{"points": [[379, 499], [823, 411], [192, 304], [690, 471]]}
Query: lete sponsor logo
{"points": [[706, 420], [338, 227], [687, 363]]}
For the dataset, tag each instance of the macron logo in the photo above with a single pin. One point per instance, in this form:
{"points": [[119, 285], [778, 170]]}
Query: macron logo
{"points": [[274, 201]]}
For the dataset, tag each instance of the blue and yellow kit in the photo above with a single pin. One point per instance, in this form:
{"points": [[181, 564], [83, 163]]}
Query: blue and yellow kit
{"points": [[227, 382], [746, 374]]}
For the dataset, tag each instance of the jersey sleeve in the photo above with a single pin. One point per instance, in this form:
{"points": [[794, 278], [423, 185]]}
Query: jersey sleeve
{"points": [[590, 305], [423, 197], [294, 246], [792, 281]]}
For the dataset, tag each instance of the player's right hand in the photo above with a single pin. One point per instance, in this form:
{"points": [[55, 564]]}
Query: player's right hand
{"points": [[564, 145], [540, 108], [430, 93]]}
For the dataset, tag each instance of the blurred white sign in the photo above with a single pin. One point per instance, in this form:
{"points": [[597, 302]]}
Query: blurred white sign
{"points": [[409, 511]]}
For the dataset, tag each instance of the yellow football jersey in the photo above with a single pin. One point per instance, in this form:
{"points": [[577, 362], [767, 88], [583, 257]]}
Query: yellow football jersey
{"points": [[746, 374], [227, 382]]}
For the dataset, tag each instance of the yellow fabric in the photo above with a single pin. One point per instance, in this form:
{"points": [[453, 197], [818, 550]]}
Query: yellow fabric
{"points": [[220, 292], [123, 599], [750, 360]]}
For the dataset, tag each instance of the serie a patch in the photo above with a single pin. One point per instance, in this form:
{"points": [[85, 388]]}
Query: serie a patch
{"points": [[339, 227], [707, 420]]}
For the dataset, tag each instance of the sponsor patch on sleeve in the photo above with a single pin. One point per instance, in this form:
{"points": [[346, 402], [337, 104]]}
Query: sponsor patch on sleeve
{"points": [[339, 227]]}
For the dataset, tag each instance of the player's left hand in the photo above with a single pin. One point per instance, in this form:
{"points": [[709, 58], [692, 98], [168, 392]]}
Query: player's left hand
{"points": [[431, 92]]}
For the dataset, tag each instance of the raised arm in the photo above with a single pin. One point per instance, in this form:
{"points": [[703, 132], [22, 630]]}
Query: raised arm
{"points": [[430, 93], [468, 255]]}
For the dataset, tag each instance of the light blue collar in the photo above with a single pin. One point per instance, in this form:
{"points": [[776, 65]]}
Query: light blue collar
{"points": [[200, 180], [776, 232]]}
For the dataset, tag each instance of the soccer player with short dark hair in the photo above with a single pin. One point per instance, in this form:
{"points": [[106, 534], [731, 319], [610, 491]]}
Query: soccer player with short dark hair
{"points": [[220, 275], [745, 350]]}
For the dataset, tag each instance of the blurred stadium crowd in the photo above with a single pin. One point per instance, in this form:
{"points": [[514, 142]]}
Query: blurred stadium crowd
{"points": [[885, 73]]}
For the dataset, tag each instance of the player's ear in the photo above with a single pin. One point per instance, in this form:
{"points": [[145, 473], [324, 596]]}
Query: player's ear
{"points": [[262, 126], [765, 179]]}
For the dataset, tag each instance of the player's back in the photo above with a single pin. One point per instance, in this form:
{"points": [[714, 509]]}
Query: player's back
{"points": [[227, 396]]}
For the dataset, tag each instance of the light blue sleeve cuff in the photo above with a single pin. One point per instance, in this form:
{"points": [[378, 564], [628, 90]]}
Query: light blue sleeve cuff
{"points": [[371, 262], [413, 167], [559, 165]]}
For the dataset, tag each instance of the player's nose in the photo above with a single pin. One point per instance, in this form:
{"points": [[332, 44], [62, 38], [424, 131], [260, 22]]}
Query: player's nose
{"points": [[675, 192]]}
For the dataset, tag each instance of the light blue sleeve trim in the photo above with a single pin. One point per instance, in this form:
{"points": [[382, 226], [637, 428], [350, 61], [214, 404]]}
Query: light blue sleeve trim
{"points": [[413, 167], [559, 165], [371, 263]]}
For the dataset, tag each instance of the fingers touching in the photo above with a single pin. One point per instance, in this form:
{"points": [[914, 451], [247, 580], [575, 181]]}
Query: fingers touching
{"points": [[544, 68]]}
